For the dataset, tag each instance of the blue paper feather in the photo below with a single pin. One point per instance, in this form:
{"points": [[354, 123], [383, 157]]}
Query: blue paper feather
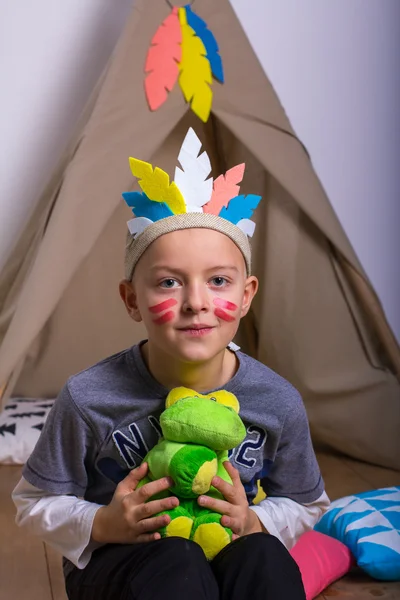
{"points": [[142, 206], [240, 207], [201, 30]]}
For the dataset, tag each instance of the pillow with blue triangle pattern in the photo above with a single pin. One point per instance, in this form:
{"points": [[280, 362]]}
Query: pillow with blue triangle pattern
{"points": [[369, 525]]}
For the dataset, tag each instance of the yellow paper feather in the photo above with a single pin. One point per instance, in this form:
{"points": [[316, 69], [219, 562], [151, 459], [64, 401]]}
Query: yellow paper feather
{"points": [[195, 75], [155, 184]]}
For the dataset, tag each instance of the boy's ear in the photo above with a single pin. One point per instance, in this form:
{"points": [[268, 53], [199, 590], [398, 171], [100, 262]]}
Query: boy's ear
{"points": [[129, 298], [250, 290]]}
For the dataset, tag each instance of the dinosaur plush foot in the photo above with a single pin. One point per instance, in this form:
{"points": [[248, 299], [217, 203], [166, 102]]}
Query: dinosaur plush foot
{"points": [[210, 534], [181, 524]]}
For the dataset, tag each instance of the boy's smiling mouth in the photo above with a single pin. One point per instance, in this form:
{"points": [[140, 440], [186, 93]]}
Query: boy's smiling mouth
{"points": [[196, 329]]}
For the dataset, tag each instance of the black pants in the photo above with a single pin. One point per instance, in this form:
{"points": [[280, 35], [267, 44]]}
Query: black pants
{"points": [[254, 567]]}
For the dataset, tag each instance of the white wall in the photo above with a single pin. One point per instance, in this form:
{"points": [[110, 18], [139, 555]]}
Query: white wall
{"points": [[52, 54], [335, 67], [334, 64]]}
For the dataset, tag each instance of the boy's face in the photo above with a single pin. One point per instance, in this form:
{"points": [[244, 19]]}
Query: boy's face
{"points": [[190, 289]]}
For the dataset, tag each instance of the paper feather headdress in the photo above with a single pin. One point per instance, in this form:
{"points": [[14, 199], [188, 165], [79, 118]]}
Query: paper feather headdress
{"points": [[192, 200], [183, 49]]}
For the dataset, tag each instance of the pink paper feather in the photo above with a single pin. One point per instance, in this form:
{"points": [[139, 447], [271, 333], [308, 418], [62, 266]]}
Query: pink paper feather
{"points": [[225, 188], [162, 60]]}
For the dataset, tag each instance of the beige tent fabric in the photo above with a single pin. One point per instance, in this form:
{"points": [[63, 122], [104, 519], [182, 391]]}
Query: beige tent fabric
{"points": [[20, 261], [310, 322], [306, 324]]}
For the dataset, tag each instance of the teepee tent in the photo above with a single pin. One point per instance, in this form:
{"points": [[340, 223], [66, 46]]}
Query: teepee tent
{"points": [[316, 319]]}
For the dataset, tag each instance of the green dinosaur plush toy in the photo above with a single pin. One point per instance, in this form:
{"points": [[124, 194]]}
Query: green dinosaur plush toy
{"points": [[198, 430]]}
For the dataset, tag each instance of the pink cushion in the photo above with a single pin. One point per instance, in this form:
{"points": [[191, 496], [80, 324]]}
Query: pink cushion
{"points": [[321, 560]]}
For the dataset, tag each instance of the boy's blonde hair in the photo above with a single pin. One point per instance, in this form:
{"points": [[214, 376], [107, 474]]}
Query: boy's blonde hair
{"points": [[192, 201]]}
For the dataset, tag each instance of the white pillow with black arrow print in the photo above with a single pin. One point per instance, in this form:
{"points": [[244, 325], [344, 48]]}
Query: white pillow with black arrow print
{"points": [[21, 422]]}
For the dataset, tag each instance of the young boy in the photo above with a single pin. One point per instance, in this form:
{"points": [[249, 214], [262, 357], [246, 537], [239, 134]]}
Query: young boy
{"points": [[188, 279]]}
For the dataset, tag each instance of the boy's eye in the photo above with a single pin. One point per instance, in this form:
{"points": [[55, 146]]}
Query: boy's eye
{"points": [[168, 283], [218, 281]]}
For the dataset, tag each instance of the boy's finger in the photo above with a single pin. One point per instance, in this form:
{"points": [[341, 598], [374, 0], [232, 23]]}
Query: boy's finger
{"points": [[153, 488], [220, 506], [233, 524], [147, 537], [151, 525], [144, 511], [228, 491], [232, 472], [129, 484]]}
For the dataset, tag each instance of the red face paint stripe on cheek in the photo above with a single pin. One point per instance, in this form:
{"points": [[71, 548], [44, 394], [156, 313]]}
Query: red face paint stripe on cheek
{"points": [[157, 308], [164, 318], [224, 304], [221, 314]]}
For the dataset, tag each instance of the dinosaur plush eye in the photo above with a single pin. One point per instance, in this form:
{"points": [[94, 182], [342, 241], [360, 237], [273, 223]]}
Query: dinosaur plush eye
{"points": [[178, 394], [226, 398], [221, 397]]}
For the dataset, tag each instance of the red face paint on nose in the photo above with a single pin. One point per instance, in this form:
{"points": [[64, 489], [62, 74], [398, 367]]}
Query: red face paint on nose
{"points": [[221, 303], [221, 314], [157, 308], [168, 316]]}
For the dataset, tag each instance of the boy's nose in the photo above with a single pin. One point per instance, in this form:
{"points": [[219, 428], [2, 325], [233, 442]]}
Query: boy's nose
{"points": [[196, 300]]}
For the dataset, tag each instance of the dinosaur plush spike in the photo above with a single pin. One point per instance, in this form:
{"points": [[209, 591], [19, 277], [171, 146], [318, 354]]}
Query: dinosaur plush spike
{"points": [[198, 430]]}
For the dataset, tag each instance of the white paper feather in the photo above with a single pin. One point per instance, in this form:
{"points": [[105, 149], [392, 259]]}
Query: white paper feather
{"points": [[247, 226], [138, 224], [192, 180]]}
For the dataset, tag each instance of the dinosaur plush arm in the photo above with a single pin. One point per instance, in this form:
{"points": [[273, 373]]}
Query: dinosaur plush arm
{"points": [[160, 457], [190, 466]]}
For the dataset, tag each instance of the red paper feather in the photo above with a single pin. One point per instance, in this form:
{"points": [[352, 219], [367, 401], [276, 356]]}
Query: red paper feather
{"points": [[162, 60], [225, 188]]}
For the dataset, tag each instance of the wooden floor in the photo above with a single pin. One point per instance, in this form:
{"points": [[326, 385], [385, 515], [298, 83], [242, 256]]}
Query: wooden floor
{"points": [[30, 570]]}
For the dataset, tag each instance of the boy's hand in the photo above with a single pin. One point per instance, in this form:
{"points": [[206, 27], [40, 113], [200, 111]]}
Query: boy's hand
{"points": [[235, 507], [129, 518]]}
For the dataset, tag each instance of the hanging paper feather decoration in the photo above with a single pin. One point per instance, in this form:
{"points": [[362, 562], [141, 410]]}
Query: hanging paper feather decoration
{"points": [[192, 178], [183, 47], [195, 76], [162, 60], [225, 187], [155, 184], [210, 43], [241, 207], [142, 206]]}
